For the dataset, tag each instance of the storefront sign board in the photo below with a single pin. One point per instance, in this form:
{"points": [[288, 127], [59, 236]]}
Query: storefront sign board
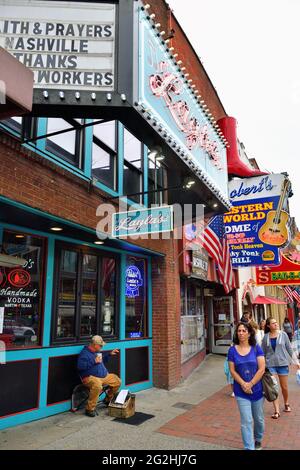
{"points": [[246, 224], [164, 94], [143, 221]]}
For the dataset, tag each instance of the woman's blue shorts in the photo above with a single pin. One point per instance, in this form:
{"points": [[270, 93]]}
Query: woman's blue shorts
{"points": [[280, 370]]}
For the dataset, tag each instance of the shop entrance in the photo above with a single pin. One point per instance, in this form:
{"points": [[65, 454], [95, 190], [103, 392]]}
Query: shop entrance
{"points": [[221, 324]]}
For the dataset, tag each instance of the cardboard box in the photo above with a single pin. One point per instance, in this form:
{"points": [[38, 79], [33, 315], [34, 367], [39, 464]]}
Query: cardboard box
{"points": [[122, 411]]}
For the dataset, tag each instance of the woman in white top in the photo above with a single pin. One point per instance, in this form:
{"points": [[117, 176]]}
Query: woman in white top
{"points": [[260, 333]]}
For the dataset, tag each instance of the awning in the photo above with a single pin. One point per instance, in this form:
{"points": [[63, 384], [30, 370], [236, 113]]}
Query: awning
{"points": [[261, 299]]}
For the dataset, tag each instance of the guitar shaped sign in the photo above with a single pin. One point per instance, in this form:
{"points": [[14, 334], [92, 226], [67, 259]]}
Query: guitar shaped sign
{"points": [[275, 230]]}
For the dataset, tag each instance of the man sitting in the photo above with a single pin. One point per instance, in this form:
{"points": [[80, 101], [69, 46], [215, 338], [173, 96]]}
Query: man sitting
{"points": [[94, 373]]}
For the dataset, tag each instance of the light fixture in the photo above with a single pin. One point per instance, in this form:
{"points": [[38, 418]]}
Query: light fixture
{"points": [[123, 97], [157, 25], [152, 16], [155, 152], [160, 158], [45, 94], [108, 96], [188, 183], [93, 96], [20, 236], [146, 7], [98, 242], [215, 205], [179, 62], [56, 229], [77, 95], [61, 95]]}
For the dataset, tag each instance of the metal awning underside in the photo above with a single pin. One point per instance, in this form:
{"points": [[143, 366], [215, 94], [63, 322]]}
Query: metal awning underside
{"points": [[18, 214]]}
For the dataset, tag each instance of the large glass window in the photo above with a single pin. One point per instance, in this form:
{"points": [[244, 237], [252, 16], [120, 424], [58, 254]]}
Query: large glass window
{"points": [[86, 299], [21, 290], [105, 153], [136, 298], [68, 145], [157, 179], [14, 123], [133, 166], [192, 319]]}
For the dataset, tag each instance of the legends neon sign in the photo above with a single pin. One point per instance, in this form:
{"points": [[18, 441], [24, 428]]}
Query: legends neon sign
{"points": [[165, 85]]}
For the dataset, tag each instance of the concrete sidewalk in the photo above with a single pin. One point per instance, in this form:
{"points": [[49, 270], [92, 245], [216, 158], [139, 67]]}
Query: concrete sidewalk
{"points": [[198, 414]]}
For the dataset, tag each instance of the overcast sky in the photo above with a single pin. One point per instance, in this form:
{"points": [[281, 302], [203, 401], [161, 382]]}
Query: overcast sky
{"points": [[250, 50]]}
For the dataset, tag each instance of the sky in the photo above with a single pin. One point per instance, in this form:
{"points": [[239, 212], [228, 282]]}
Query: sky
{"points": [[250, 50]]}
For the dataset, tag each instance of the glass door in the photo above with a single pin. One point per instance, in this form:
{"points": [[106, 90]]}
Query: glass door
{"points": [[222, 324]]}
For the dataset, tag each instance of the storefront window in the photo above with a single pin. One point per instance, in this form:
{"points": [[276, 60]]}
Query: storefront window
{"points": [[68, 145], [157, 179], [108, 296], [136, 298], [133, 166], [67, 295], [192, 319], [21, 291], [86, 299], [89, 296], [105, 153]]}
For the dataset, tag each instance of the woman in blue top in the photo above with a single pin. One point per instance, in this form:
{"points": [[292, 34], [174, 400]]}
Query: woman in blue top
{"points": [[247, 366]]}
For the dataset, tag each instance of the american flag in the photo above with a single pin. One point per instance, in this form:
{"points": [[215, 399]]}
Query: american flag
{"points": [[289, 293], [215, 242], [296, 295]]}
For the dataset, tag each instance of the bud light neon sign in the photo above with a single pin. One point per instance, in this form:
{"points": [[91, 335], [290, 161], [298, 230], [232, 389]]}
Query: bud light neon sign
{"points": [[134, 281]]}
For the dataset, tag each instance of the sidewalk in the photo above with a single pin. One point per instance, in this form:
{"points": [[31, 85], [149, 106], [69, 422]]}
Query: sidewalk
{"points": [[198, 414]]}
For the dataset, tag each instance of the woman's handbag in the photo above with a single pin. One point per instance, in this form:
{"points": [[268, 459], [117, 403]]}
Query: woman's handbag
{"points": [[270, 386]]}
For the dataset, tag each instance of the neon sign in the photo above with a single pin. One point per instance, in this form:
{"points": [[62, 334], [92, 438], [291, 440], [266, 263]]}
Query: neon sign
{"points": [[133, 281], [165, 85]]}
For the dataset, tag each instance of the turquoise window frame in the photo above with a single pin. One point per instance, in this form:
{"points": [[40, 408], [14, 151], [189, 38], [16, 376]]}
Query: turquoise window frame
{"points": [[45, 352], [85, 173]]}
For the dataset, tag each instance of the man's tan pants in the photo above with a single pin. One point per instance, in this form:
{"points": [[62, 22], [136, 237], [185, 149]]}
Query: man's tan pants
{"points": [[95, 384]]}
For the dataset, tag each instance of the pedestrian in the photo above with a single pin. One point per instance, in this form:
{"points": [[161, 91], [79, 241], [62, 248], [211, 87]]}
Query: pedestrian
{"points": [[246, 317], [296, 340], [288, 328], [229, 377], [247, 366], [279, 353], [260, 333]]}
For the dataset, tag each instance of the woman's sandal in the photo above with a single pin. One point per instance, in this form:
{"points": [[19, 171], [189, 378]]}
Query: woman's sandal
{"points": [[276, 415], [287, 408]]}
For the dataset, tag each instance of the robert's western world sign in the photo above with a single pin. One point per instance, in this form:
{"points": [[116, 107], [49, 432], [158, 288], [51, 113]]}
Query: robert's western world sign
{"points": [[68, 45], [256, 227]]}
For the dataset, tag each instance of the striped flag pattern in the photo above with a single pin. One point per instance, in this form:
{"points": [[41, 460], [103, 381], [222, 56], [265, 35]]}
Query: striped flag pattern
{"points": [[289, 293], [215, 243], [296, 295]]}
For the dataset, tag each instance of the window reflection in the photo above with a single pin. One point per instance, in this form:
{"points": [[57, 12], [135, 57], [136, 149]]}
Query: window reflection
{"points": [[133, 164], [21, 296], [108, 285], [105, 153], [67, 145], [67, 295], [89, 296]]}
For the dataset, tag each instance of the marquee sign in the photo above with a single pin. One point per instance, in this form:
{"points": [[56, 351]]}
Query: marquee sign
{"points": [[68, 45], [254, 236], [164, 93]]}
